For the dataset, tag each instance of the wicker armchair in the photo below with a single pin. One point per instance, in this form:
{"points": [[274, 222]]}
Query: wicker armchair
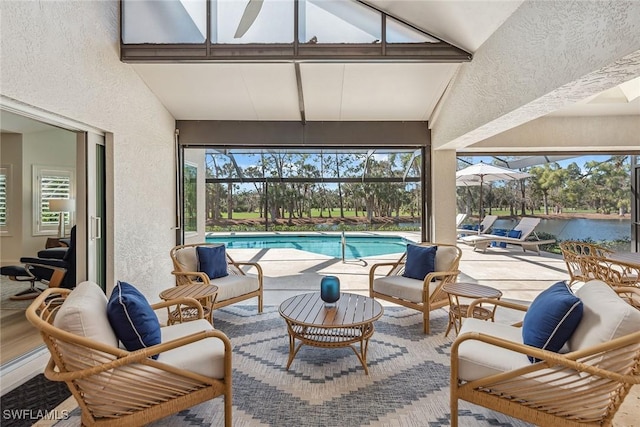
{"points": [[615, 273], [116, 387], [236, 287], [573, 250], [422, 295], [584, 387]]}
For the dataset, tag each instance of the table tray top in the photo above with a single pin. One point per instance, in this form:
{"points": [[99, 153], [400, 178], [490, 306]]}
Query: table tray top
{"points": [[196, 291], [471, 290], [351, 310]]}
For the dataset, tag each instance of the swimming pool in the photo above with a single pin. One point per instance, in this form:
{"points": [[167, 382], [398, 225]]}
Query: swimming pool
{"points": [[330, 245]]}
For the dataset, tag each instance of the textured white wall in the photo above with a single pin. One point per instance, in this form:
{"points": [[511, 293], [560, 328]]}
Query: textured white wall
{"points": [[621, 133], [63, 57], [443, 173], [547, 55]]}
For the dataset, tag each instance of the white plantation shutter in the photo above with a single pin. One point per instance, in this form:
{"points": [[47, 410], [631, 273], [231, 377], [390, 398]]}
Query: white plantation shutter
{"points": [[51, 184]]}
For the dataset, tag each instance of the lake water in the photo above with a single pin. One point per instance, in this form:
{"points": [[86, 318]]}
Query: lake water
{"points": [[579, 228]]}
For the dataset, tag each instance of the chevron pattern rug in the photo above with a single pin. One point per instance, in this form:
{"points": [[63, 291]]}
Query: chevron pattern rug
{"points": [[407, 385]]}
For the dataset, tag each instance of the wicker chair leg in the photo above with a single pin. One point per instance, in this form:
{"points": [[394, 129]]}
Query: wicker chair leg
{"points": [[426, 328], [227, 410]]}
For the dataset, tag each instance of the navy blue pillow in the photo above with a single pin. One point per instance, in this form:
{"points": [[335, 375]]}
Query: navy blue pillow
{"points": [[552, 318], [212, 260], [516, 234], [132, 318], [421, 260]]}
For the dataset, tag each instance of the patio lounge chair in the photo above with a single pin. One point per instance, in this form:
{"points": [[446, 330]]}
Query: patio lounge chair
{"points": [[525, 227], [485, 226], [459, 218], [491, 365], [424, 295]]}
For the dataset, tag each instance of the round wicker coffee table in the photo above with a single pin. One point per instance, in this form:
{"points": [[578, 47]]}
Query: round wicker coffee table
{"points": [[348, 323]]}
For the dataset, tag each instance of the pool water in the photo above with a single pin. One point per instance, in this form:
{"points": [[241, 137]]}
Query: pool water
{"points": [[330, 245]]}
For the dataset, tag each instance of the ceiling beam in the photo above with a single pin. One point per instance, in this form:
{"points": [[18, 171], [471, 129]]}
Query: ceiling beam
{"points": [[303, 117], [199, 133], [304, 52]]}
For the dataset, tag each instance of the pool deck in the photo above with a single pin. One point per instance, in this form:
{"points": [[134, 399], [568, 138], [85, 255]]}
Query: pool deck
{"points": [[519, 275]]}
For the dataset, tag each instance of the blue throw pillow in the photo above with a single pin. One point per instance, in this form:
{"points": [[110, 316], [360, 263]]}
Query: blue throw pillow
{"points": [[421, 260], [132, 318], [212, 260], [552, 318], [516, 234]]}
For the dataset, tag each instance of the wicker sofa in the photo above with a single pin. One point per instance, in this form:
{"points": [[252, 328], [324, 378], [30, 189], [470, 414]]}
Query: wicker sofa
{"points": [[117, 387], [585, 385]]}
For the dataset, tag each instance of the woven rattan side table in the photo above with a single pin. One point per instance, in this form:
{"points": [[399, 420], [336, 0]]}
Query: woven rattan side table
{"points": [[348, 323], [205, 294], [472, 291]]}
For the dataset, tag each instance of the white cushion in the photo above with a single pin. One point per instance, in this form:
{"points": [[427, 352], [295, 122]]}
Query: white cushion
{"points": [[235, 285], [445, 255], [205, 357], [478, 359], [403, 287], [187, 258], [605, 316], [84, 313]]}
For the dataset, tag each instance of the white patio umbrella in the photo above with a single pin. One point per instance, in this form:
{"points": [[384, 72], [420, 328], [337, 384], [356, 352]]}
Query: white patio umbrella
{"points": [[482, 173]]}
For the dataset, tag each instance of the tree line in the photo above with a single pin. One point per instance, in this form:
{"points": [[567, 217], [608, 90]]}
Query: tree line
{"points": [[281, 186]]}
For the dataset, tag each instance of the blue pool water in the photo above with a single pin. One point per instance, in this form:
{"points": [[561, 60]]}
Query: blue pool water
{"points": [[356, 246]]}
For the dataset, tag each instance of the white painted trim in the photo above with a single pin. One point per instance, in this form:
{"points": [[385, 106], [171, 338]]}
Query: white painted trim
{"points": [[18, 371], [17, 107]]}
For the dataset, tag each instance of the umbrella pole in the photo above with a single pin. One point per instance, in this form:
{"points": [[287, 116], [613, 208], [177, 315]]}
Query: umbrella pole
{"points": [[480, 204]]}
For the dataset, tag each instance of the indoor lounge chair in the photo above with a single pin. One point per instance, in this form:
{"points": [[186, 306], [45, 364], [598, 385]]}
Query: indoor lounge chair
{"points": [[484, 226], [585, 385], [522, 230], [113, 386], [408, 283], [55, 267], [234, 285]]}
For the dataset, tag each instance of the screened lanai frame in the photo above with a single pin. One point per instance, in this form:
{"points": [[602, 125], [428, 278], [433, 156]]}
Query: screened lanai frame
{"points": [[357, 165]]}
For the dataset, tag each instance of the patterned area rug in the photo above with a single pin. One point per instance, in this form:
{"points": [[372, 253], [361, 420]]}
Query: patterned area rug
{"points": [[32, 401], [407, 385]]}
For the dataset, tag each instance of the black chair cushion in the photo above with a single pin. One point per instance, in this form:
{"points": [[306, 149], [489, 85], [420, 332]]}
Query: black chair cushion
{"points": [[14, 271], [53, 253]]}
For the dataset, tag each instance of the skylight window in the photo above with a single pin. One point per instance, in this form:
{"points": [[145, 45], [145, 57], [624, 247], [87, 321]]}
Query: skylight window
{"points": [[261, 21], [251, 21], [331, 21]]}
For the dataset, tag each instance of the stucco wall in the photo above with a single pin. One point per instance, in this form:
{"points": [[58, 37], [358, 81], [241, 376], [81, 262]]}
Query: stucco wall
{"points": [[547, 55], [63, 57]]}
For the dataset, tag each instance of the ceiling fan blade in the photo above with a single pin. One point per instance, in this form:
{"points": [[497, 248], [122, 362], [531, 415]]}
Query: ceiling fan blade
{"points": [[248, 17]]}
